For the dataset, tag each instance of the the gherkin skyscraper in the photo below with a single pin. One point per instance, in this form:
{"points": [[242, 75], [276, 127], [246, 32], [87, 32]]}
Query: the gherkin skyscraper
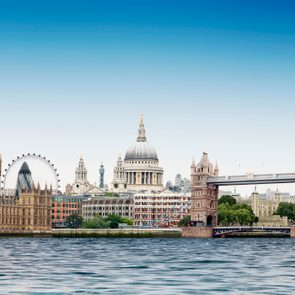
{"points": [[24, 179]]}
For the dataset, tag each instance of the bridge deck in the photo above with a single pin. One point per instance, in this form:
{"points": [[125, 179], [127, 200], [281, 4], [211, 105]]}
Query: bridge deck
{"points": [[217, 231], [252, 179]]}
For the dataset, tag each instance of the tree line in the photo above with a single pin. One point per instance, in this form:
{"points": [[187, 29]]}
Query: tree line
{"points": [[286, 209], [112, 221]]}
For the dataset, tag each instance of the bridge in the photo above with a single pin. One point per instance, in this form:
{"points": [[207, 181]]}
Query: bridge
{"points": [[223, 231], [205, 183], [251, 179]]}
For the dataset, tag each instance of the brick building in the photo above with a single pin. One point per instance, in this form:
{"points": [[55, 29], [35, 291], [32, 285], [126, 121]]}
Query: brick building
{"points": [[64, 206]]}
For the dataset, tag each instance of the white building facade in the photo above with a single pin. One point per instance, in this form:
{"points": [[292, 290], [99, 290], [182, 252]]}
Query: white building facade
{"points": [[164, 209], [105, 206]]}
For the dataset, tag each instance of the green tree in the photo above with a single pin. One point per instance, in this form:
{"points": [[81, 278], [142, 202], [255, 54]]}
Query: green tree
{"points": [[113, 220], [184, 221], [73, 221], [96, 222], [127, 220], [227, 199], [286, 209], [238, 214], [111, 194]]}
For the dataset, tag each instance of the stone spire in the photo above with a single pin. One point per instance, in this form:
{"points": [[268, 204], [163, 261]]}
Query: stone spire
{"points": [[141, 130], [193, 166], [216, 169], [204, 161], [193, 163]]}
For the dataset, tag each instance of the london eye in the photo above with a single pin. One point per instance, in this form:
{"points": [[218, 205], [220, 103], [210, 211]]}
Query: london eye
{"points": [[40, 159]]}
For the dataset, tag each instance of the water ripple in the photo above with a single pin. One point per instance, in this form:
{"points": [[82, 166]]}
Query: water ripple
{"points": [[147, 266]]}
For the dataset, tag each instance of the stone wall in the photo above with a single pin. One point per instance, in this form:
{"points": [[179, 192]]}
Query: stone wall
{"points": [[119, 233], [197, 232]]}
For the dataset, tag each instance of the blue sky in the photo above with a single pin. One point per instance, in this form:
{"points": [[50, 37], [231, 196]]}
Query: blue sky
{"points": [[208, 75]]}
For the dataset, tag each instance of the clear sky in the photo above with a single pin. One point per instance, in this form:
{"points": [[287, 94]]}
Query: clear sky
{"points": [[215, 76]]}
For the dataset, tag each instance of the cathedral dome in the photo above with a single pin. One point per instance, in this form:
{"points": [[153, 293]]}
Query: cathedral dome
{"points": [[141, 150]]}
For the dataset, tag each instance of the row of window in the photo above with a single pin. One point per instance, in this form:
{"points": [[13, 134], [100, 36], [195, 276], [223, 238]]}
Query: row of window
{"points": [[156, 216], [65, 211], [142, 162], [161, 204], [74, 205], [68, 200], [105, 208], [160, 210], [103, 214], [161, 198]]}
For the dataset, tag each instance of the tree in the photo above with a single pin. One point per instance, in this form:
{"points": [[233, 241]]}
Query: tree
{"points": [[96, 222], [238, 214], [114, 220], [111, 194], [73, 221], [286, 209], [127, 221], [184, 221], [227, 199]]}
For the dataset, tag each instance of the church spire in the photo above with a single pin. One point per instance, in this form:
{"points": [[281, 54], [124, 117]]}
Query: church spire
{"points": [[141, 130]]}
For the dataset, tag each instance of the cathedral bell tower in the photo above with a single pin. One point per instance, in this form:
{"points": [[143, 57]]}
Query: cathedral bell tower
{"points": [[81, 183], [204, 196], [119, 182]]}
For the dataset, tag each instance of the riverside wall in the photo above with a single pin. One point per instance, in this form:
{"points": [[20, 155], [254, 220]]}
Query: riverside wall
{"points": [[117, 233], [184, 232], [197, 232]]}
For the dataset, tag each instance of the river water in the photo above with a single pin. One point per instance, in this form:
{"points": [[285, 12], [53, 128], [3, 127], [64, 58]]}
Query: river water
{"points": [[147, 266]]}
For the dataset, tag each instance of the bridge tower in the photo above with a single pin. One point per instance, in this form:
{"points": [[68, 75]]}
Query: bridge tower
{"points": [[204, 196]]}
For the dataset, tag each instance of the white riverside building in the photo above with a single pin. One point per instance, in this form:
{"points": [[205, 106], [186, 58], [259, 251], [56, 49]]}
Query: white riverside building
{"points": [[140, 171], [105, 206], [164, 209]]}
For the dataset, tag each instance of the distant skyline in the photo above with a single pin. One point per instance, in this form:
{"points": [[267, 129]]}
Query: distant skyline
{"points": [[214, 76]]}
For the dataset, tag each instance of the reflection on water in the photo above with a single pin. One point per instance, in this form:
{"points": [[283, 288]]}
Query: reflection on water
{"points": [[147, 266]]}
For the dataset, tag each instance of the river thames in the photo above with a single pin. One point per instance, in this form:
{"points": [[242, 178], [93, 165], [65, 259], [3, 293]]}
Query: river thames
{"points": [[147, 266]]}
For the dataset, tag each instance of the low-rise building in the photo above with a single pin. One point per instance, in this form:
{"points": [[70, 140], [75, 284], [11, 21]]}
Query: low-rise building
{"points": [[105, 206], [264, 207], [273, 221], [163, 209], [64, 206]]}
